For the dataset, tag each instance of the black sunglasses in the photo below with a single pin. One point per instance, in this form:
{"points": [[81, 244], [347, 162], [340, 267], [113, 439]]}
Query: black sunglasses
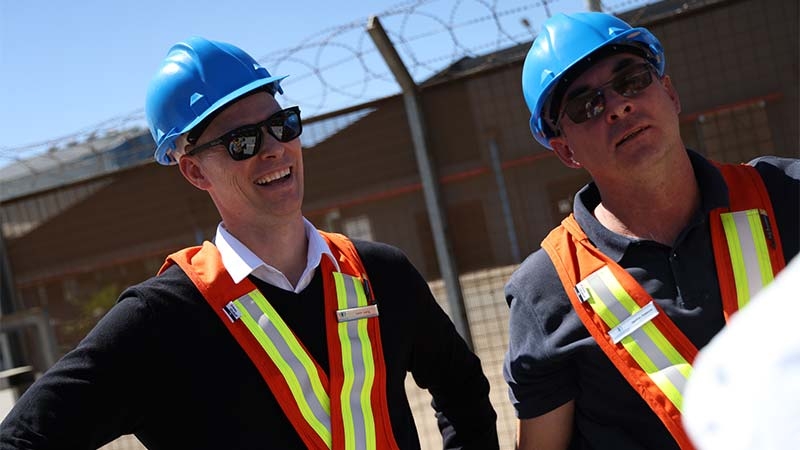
{"points": [[592, 103], [245, 142]]}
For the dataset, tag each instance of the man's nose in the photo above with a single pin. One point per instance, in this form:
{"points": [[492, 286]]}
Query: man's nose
{"points": [[617, 105], [270, 147]]}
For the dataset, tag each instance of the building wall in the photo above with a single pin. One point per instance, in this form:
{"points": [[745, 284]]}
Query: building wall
{"points": [[735, 65]]}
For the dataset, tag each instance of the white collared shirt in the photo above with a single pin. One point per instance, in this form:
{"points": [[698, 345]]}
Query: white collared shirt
{"points": [[240, 261]]}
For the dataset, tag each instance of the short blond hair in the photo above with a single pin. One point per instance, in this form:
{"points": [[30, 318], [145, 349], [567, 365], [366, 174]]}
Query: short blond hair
{"points": [[181, 142]]}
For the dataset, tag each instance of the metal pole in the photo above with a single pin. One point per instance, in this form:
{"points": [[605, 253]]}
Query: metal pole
{"points": [[494, 154], [7, 303], [36, 317], [47, 338], [430, 186], [11, 350], [594, 5]]}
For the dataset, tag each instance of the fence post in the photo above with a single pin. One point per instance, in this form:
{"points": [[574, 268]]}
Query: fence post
{"points": [[10, 352], [430, 184], [502, 192]]}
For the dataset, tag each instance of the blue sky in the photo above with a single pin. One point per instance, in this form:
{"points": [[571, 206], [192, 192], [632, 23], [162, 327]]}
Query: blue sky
{"points": [[67, 66]]}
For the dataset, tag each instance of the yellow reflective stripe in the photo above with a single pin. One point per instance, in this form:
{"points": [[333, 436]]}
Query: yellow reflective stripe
{"points": [[747, 246], [659, 375], [347, 365], [600, 308], [618, 292], [369, 373], [762, 251], [737, 259], [359, 423], [663, 344], [286, 370], [670, 352], [647, 332], [296, 348], [659, 378]]}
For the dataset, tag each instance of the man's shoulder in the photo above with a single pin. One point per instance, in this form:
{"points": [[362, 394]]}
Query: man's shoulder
{"points": [[535, 277], [166, 288], [770, 166], [371, 251], [537, 263]]}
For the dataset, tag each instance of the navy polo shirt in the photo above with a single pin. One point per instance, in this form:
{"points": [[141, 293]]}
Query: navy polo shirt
{"points": [[552, 359]]}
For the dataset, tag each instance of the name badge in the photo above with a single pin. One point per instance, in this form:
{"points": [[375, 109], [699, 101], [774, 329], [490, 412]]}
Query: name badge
{"points": [[633, 322], [361, 312]]}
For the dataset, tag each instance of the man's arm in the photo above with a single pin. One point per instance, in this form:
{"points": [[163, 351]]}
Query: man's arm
{"points": [[445, 366], [92, 395], [539, 366], [418, 337], [440, 360], [551, 431]]}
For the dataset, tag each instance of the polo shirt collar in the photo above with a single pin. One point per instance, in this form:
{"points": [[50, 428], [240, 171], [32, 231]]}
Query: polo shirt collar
{"points": [[240, 261], [713, 194]]}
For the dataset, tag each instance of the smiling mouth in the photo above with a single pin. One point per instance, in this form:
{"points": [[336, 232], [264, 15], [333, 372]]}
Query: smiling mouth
{"points": [[630, 136], [275, 176]]}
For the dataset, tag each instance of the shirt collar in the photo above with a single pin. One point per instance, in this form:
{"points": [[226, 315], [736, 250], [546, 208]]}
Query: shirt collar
{"points": [[240, 261], [713, 194]]}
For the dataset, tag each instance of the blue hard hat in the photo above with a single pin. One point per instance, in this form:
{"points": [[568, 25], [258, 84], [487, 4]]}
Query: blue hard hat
{"points": [[198, 78], [565, 42]]}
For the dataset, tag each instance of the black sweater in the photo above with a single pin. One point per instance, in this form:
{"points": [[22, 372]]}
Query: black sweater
{"points": [[161, 365]]}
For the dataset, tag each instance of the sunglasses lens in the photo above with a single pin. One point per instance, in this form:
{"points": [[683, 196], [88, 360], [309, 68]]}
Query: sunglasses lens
{"points": [[633, 84], [286, 126], [244, 144], [580, 109]]}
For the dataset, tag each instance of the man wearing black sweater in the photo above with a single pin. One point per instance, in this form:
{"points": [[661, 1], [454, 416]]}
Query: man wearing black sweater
{"points": [[277, 336]]}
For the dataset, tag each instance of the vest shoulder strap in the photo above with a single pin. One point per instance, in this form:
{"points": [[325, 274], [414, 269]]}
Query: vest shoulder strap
{"points": [[747, 245], [345, 253], [350, 263], [654, 358]]}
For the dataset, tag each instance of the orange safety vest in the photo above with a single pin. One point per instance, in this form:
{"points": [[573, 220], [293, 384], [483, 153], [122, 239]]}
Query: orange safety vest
{"points": [[346, 411], [648, 349]]}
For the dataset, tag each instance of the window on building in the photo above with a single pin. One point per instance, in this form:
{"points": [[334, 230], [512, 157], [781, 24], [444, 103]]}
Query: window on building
{"points": [[734, 134], [358, 227]]}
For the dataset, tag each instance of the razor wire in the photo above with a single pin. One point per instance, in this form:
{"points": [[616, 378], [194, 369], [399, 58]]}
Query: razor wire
{"points": [[339, 67]]}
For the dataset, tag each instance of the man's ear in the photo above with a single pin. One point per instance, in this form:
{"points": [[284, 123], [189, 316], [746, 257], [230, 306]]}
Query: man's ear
{"points": [[193, 172], [672, 92], [562, 150]]}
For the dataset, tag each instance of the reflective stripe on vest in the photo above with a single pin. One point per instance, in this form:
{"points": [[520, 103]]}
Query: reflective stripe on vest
{"points": [[749, 252], [358, 365], [291, 359], [299, 370], [346, 409], [647, 348], [736, 263]]}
